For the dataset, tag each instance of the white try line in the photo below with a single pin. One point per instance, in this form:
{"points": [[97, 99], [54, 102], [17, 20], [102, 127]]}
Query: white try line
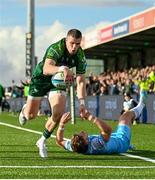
{"points": [[37, 132], [139, 157], [80, 167], [25, 129]]}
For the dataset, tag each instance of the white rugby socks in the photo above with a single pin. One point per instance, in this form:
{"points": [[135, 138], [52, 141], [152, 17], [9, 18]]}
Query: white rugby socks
{"points": [[138, 109]]}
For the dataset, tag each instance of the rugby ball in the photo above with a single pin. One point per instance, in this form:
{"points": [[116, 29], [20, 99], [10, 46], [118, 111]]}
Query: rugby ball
{"points": [[58, 80]]}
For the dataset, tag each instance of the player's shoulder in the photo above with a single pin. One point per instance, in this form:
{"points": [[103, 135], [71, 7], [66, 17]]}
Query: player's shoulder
{"points": [[80, 51], [93, 136], [81, 55], [57, 48], [59, 44]]}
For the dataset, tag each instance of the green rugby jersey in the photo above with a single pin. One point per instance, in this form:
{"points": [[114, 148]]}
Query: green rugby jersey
{"points": [[41, 84], [58, 52]]}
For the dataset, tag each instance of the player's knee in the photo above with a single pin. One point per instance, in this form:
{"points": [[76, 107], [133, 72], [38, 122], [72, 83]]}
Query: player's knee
{"points": [[124, 115], [56, 117], [126, 118]]}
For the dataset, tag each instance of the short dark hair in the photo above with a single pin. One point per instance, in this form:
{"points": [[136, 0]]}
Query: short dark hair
{"points": [[127, 94], [78, 144], [74, 33]]}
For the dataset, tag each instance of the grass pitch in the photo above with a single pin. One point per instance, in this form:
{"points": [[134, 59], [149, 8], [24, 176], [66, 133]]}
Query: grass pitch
{"points": [[19, 158]]}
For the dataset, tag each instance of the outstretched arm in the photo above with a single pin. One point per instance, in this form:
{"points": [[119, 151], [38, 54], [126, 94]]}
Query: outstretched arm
{"points": [[60, 131], [104, 128], [81, 91]]}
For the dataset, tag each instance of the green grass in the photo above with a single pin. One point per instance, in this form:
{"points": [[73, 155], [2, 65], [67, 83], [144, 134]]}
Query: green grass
{"points": [[17, 148]]}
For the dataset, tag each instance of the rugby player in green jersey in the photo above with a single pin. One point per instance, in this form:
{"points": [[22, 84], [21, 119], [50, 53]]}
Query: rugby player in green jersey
{"points": [[60, 56]]}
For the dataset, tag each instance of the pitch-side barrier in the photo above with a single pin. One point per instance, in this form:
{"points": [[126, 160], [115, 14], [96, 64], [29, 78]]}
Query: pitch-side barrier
{"points": [[106, 107]]}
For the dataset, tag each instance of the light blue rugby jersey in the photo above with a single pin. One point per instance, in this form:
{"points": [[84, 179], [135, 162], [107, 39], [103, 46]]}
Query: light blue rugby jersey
{"points": [[119, 142]]}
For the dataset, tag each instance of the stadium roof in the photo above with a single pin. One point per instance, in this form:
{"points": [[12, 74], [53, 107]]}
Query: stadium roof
{"points": [[134, 33]]}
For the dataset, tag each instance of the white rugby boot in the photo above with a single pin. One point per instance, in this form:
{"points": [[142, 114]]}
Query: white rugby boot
{"points": [[42, 148], [22, 118]]}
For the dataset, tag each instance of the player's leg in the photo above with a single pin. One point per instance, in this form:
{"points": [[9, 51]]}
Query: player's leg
{"points": [[126, 118], [135, 112], [30, 109], [39, 87], [123, 131], [57, 101], [58, 105]]}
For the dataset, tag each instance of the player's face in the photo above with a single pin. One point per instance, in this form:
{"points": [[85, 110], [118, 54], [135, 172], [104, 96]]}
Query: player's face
{"points": [[72, 44]]}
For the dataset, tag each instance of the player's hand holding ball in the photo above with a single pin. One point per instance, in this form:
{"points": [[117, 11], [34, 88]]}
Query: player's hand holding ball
{"points": [[68, 76]]}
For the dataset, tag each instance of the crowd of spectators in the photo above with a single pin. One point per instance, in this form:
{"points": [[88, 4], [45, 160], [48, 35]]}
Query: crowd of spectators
{"points": [[117, 83], [16, 91], [106, 83]]}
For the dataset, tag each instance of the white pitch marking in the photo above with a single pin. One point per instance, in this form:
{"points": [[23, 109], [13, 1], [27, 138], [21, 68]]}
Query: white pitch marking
{"points": [[82, 167], [37, 132], [25, 129], [139, 157], [20, 128]]}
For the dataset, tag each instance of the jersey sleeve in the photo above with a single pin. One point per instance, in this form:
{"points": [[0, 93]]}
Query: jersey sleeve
{"points": [[67, 145], [52, 53], [55, 50], [81, 65]]}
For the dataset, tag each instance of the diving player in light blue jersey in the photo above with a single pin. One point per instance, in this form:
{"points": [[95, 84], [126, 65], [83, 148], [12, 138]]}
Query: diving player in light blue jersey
{"points": [[106, 142]]}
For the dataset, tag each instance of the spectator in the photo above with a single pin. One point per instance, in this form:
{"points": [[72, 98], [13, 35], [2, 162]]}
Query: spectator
{"points": [[128, 104], [26, 87], [5, 105], [2, 94], [113, 89], [102, 91]]}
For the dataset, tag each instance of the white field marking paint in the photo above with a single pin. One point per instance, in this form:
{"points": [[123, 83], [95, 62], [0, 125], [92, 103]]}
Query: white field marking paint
{"points": [[37, 132], [25, 129], [81, 167], [139, 157]]}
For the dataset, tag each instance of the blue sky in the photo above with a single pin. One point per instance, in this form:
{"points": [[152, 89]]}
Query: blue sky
{"points": [[53, 18], [70, 13]]}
